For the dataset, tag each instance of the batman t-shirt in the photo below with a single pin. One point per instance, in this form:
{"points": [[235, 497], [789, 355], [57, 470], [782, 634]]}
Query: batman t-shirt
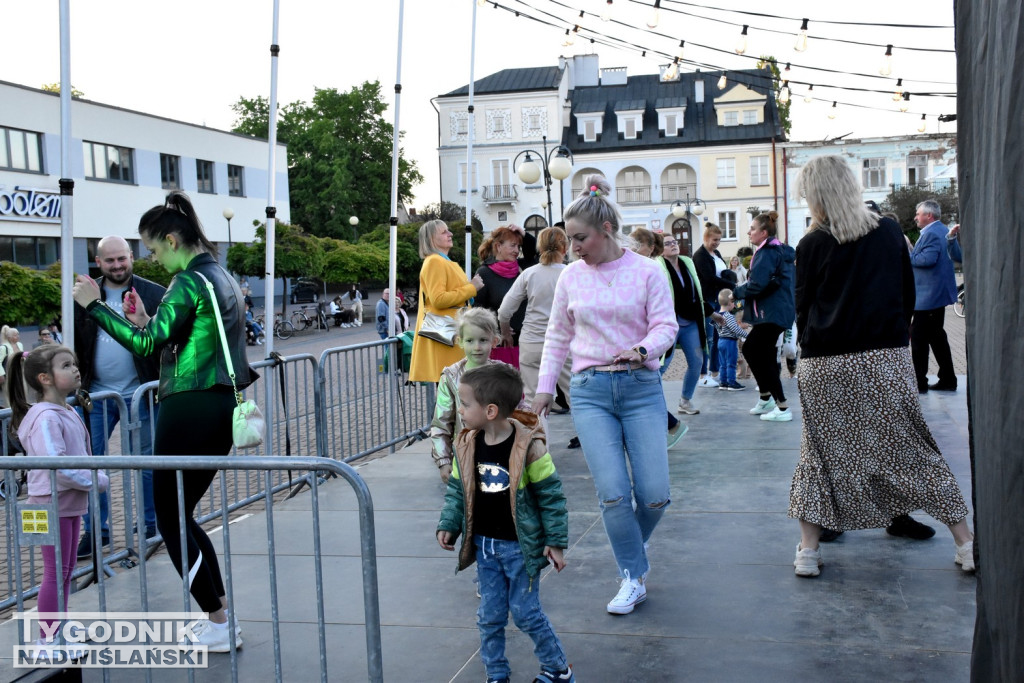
{"points": [[492, 511]]}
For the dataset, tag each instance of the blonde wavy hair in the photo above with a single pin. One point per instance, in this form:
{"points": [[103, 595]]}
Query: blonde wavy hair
{"points": [[833, 196]]}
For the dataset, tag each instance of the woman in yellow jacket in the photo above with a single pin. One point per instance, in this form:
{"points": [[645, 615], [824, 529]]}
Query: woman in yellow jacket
{"points": [[444, 289]]}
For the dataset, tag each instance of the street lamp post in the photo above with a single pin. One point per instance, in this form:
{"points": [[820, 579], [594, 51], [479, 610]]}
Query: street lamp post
{"points": [[229, 213], [681, 207], [557, 164], [354, 221]]}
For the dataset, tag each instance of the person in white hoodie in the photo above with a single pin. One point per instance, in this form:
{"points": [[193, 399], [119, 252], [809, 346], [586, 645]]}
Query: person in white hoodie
{"points": [[51, 427]]}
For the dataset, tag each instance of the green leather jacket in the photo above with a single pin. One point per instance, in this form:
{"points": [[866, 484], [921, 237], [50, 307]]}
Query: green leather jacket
{"points": [[184, 331]]}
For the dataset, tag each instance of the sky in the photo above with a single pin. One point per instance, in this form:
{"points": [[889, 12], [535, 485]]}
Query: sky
{"points": [[190, 60]]}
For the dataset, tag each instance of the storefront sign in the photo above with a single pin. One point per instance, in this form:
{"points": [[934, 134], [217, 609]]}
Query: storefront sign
{"points": [[29, 204]]}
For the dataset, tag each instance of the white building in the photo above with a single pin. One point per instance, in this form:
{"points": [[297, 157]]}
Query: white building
{"points": [[882, 164], [123, 163]]}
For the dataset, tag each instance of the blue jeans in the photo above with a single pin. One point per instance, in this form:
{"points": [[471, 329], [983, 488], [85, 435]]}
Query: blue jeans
{"points": [[710, 359], [620, 416], [505, 587], [102, 420], [728, 354], [688, 339]]}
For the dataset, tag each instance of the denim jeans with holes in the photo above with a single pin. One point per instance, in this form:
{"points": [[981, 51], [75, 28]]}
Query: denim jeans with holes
{"points": [[620, 419], [505, 587]]}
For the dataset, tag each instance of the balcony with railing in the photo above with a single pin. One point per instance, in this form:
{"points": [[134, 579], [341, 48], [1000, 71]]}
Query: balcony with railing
{"points": [[670, 193], [932, 185], [633, 194], [500, 193]]}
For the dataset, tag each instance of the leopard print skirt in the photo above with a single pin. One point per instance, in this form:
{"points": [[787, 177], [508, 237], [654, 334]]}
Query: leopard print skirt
{"points": [[866, 453]]}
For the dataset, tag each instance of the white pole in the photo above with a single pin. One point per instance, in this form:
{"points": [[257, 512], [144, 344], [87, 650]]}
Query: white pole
{"points": [[268, 275], [393, 239], [67, 185], [469, 150]]}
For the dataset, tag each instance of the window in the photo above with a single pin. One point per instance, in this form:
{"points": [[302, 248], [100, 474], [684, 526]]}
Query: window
{"points": [[671, 127], [533, 121], [726, 172], [30, 252], [749, 117], [462, 177], [758, 170], [500, 172], [462, 126], [21, 150], [170, 172], [590, 131], [874, 173], [499, 123], [732, 118], [917, 168], [235, 186], [107, 162], [727, 222], [204, 176]]}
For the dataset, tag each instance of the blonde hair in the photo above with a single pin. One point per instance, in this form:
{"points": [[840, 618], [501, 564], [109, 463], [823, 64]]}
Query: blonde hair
{"points": [[833, 196], [495, 237], [595, 207], [484, 318], [724, 297], [552, 245], [769, 222], [4, 332], [711, 229], [427, 232]]}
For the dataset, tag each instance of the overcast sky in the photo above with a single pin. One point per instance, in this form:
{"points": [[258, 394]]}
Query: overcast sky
{"points": [[191, 59]]}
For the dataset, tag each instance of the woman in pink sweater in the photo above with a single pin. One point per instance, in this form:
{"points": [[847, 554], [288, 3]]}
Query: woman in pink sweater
{"points": [[613, 311]]}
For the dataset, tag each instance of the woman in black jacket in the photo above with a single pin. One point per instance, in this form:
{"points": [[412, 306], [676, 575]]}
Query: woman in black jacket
{"points": [[709, 265]]}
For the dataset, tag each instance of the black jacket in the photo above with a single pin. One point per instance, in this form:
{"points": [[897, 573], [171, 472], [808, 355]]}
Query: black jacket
{"points": [[769, 289], [147, 368], [710, 283]]}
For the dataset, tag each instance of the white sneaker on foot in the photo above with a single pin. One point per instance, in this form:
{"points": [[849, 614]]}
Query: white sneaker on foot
{"points": [[686, 408], [965, 556], [215, 638], [777, 415], [708, 382], [807, 562], [763, 406], [631, 593]]}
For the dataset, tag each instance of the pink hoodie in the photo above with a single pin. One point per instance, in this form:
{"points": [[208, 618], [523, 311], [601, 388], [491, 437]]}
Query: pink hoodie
{"points": [[50, 429]]}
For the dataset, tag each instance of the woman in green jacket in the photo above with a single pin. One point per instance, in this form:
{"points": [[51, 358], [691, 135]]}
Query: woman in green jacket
{"points": [[195, 393]]}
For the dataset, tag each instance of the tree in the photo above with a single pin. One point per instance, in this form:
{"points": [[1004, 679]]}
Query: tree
{"points": [[339, 157], [902, 200], [447, 212], [29, 296], [151, 270], [408, 257], [771, 64]]}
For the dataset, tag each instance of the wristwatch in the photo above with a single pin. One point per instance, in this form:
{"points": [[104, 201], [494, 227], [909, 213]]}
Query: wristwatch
{"points": [[642, 351]]}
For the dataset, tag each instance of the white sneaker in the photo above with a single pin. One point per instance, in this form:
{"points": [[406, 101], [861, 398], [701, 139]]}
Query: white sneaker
{"points": [[215, 639], [631, 593], [807, 562], [763, 406], [708, 382], [965, 556], [777, 415], [686, 408]]}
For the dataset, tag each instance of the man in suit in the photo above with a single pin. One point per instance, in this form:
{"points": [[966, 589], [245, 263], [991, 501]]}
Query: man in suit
{"points": [[935, 286]]}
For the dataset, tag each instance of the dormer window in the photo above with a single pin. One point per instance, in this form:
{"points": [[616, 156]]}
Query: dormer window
{"points": [[589, 126], [671, 112], [630, 115], [749, 117], [630, 129], [732, 118]]}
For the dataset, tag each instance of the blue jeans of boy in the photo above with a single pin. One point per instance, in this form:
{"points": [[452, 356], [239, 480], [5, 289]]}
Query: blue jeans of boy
{"points": [[728, 354], [620, 419], [688, 340], [505, 587]]}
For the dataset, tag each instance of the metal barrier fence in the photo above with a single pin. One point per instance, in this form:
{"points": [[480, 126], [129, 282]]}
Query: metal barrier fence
{"points": [[265, 466]]}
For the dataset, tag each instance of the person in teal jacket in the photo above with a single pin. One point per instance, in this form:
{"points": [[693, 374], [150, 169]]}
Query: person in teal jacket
{"points": [[505, 499]]}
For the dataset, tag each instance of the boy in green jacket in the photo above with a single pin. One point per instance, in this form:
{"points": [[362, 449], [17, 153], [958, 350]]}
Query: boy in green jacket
{"points": [[506, 500]]}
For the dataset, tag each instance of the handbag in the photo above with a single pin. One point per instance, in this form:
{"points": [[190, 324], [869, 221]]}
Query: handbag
{"points": [[247, 422], [439, 328], [506, 354]]}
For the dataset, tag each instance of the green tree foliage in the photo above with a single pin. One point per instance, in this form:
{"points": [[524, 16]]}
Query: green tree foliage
{"points": [[771, 64], [151, 270], [903, 201], [29, 296], [408, 258], [447, 212], [339, 157]]}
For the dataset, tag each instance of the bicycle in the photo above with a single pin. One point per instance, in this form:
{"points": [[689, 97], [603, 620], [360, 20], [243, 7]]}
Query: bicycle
{"points": [[282, 328], [960, 303], [301, 319]]}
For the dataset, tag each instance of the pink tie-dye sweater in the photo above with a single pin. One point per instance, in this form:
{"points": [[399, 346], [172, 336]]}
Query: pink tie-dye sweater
{"points": [[600, 311]]}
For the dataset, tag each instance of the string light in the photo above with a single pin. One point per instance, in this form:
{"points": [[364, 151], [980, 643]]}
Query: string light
{"points": [[923, 126], [481, 3], [568, 39], [886, 67], [722, 81], [801, 39], [809, 97], [606, 14], [672, 71], [784, 92], [741, 44], [833, 111], [905, 105], [655, 17], [898, 95], [679, 53], [787, 69]]}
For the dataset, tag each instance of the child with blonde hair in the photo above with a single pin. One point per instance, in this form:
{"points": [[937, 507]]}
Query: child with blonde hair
{"points": [[729, 334]]}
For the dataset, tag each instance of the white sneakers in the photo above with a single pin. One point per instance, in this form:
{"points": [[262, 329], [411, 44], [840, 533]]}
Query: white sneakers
{"points": [[631, 593], [763, 406], [216, 637], [686, 408], [965, 556], [776, 415], [708, 382], [808, 562]]}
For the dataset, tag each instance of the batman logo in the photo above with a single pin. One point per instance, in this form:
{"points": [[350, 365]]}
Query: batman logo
{"points": [[492, 478]]}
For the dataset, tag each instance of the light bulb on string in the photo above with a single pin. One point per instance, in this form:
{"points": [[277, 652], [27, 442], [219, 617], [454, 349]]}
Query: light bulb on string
{"points": [[905, 104], [833, 111], [672, 71], [741, 44], [784, 92], [568, 39], [886, 67], [679, 52], [924, 124], [606, 14], [801, 38], [898, 95], [722, 81], [481, 3], [652, 21], [787, 69], [809, 97]]}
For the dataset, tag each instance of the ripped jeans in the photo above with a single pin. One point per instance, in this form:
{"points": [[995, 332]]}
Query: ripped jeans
{"points": [[620, 416]]}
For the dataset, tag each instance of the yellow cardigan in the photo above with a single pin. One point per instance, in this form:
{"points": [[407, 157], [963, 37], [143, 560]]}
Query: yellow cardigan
{"points": [[444, 289]]}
